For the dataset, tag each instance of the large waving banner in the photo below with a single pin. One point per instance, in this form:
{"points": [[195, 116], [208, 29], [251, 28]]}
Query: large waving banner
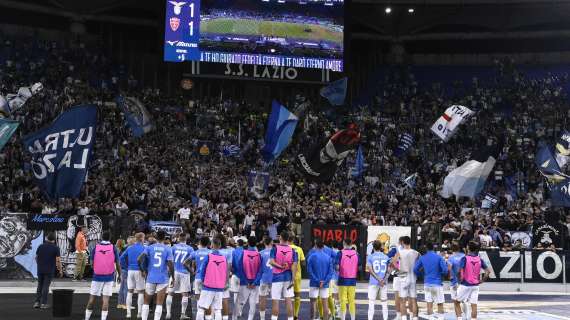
{"points": [[7, 129], [137, 116], [446, 126], [61, 152], [320, 163]]}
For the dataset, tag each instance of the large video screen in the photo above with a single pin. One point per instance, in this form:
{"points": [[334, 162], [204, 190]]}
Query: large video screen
{"points": [[287, 33]]}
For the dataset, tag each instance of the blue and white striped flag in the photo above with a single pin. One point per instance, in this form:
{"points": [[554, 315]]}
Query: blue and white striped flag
{"points": [[231, 150]]}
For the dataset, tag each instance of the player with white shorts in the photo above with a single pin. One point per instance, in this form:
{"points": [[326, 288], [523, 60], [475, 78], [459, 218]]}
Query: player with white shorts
{"points": [[470, 267], [105, 261], [181, 283], [213, 278], [320, 267], [159, 267], [377, 264], [135, 279]]}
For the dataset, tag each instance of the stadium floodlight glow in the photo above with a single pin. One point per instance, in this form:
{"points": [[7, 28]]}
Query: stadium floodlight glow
{"points": [[272, 50], [411, 10], [280, 1], [264, 0], [388, 10]]}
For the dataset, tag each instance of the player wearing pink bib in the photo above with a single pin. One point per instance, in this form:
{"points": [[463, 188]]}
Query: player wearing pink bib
{"points": [[470, 278], [213, 276], [283, 260], [105, 260]]}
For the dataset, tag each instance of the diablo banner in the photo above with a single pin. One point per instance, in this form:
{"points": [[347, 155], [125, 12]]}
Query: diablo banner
{"points": [[337, 233], [534, 266]]}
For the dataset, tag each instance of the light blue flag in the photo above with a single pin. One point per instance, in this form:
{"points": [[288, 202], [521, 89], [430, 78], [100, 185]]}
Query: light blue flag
{"points": [[358, 169], [280, 129], [7, 129], [335, 92]]}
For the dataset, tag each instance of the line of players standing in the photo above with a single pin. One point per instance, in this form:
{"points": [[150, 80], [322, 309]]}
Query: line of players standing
{"points": [[251, 276]]}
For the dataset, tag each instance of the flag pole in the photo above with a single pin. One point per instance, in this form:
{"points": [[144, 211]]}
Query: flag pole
{"points": [[239, 133]]}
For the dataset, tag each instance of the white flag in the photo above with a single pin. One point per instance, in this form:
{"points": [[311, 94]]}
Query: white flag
{"points": [[446, 126]]}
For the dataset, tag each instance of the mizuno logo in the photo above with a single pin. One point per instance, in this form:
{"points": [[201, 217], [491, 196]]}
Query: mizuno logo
{"points": [[177, 6], [284, 253], [217, 263], [171, 42], [546, 163], [104, 251], [350, 256], [251, 257]]}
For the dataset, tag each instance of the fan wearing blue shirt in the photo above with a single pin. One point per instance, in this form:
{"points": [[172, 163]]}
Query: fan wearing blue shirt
{"points": [[433, 267], [377, 264], [135, 280], [454, 265], [159, 268], [320, 269], [182, 283]]}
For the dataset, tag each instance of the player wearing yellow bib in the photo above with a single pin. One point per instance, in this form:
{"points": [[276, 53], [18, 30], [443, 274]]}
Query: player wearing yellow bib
{"points": [[298, 278]]}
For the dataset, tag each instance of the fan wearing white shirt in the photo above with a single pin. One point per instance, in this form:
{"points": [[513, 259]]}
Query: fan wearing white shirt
{"points": [[184, 216]]}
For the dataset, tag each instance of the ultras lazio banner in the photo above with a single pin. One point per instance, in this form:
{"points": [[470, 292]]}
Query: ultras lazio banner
{"points": [[61, 152]]}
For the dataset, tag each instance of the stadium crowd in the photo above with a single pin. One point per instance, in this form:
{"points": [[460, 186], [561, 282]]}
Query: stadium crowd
{"points": [[178, 172]]}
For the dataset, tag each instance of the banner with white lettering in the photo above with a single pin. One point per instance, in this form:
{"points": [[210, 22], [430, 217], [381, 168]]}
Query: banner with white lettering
{"points": [[61, 152], [534, 266], [446, 126], [46, 222], [170, 227]]}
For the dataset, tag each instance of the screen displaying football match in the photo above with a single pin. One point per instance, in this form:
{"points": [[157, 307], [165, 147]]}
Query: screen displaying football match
{"points": [[287, 33]]}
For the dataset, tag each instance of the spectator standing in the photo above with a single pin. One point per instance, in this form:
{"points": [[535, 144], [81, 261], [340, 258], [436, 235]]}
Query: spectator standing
{"points": [[80, 254], [272, 229], [298, 218], [47, 259], [184, 217]]}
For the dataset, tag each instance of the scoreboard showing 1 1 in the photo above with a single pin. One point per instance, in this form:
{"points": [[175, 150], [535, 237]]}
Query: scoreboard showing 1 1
{"points": [[182, 31]]}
